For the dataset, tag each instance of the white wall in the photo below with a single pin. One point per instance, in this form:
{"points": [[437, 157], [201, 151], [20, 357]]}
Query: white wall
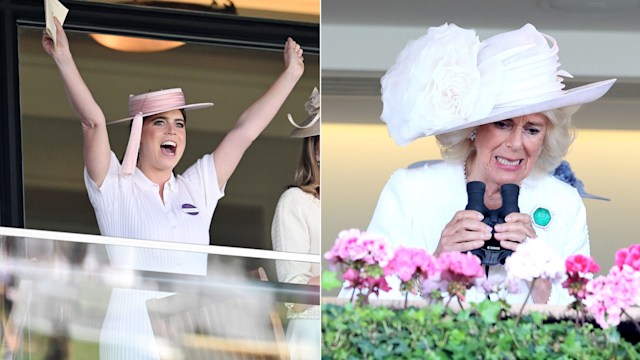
{"points": [[359, 158], [582, 53]]}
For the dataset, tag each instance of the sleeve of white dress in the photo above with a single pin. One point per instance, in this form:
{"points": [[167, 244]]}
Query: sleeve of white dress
{"points": [[290, 233], [102, 198], [576, 241]]}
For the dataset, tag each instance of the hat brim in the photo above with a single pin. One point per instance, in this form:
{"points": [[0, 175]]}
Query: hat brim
{"points": [[576, 96], [183, 107], [313, 130], [586, 195]]}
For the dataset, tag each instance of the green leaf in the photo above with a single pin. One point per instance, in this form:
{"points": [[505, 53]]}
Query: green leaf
{"points": [[330, 280], [489, 311], [436, 332]]}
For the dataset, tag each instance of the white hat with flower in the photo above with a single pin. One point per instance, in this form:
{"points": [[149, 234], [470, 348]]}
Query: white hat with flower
{"points": [[449, 80], [311, 125]]}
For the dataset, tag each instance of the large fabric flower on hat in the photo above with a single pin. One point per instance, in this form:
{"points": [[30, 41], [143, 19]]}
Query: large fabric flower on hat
{"points": [[437, 78], [313, 103]]}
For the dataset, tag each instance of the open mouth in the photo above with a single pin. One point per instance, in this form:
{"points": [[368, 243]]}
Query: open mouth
{"points": [[168, 147], [506, 162]]}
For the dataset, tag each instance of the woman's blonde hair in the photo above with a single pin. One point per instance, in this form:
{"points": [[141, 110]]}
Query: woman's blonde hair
{"points": [[457, 145], [307, 175]]}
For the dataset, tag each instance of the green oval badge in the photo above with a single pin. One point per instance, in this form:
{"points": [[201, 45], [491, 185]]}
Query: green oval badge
{"points": [[542, 217]]}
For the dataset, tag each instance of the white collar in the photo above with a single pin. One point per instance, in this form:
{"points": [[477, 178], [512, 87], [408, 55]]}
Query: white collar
{"points": [[143, 181]]}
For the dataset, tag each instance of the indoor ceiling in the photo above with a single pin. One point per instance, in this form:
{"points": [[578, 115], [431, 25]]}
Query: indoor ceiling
{"points": [[598, 39], [608, 15]]}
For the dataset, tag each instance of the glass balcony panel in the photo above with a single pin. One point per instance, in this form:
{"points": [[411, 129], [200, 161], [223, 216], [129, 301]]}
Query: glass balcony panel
{"points": [[99, 297]]}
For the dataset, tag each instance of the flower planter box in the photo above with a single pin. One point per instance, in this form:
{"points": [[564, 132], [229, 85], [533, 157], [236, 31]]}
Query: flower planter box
{"points": [[383, 329]]}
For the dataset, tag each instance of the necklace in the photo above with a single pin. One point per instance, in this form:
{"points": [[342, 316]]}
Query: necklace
{"points": [[464, 171]]}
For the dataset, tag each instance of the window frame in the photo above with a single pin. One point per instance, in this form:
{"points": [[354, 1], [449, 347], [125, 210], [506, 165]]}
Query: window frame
{"points": [[116, 19]]}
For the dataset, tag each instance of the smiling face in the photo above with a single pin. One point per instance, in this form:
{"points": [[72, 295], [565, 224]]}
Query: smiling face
{"points": [[163, 141], [507, 150]]}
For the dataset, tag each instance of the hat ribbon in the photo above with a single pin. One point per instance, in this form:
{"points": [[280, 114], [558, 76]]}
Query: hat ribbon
{"points": [[310, 124], [131, 154]]}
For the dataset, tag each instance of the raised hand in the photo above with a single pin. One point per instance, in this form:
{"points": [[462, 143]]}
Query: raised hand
{"points": [[61, 47], [293, 59]]}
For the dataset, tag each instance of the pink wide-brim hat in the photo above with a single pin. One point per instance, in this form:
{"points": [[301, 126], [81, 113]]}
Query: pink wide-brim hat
{"points": [[157, 102], [151, 103]]}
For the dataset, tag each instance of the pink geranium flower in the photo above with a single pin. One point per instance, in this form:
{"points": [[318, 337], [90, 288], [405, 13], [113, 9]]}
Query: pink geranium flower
{"points": [[580, 269], [362, 256], [629, 256], [458, 273], [366, 258], [354, 245], [408, 262], [375, 284], [581, 264], [463, 267], [411, 265], [607, 297]]}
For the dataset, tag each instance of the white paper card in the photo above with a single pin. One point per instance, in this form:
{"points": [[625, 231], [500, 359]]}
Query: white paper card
{"points": [[54, 8]]}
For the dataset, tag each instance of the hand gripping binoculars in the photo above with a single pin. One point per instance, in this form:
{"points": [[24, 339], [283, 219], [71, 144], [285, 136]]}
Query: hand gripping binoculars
{"points": [[491, 253]]}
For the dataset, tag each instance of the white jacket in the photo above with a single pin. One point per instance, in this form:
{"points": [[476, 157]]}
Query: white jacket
{"points": [[416, 204]]}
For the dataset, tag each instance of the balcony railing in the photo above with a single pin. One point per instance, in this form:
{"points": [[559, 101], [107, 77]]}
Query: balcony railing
{"points": [[102, 297]]}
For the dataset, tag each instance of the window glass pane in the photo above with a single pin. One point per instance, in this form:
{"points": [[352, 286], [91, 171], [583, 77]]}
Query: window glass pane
{"points": [[230, 77]]}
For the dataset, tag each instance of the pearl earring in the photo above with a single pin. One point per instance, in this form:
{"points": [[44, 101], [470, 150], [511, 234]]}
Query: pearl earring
{"points": [[472, 136]]}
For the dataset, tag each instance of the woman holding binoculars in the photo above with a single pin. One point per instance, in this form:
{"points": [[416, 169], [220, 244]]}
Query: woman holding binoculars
{"points": [[500, 114]]}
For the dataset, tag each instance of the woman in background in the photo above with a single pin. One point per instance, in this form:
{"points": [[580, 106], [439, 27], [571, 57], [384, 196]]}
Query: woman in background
{"points": [[296, 228]]}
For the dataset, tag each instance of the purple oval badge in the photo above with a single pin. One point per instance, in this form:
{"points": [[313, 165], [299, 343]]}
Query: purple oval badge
{"points": [[190, 209]]}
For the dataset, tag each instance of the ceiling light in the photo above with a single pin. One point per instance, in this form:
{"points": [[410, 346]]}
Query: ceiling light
{"points": [[143, 45], [134, 44]]}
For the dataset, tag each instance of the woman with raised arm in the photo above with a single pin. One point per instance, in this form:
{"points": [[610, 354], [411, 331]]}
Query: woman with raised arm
{"points": [[142, 198]]}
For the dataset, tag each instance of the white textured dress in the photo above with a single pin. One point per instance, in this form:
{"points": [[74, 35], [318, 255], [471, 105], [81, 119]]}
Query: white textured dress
{"points": [[130, 206], [296, 228]]}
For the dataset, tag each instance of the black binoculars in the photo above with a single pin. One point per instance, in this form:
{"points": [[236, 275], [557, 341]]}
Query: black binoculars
{"points": [[491, 253]]}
